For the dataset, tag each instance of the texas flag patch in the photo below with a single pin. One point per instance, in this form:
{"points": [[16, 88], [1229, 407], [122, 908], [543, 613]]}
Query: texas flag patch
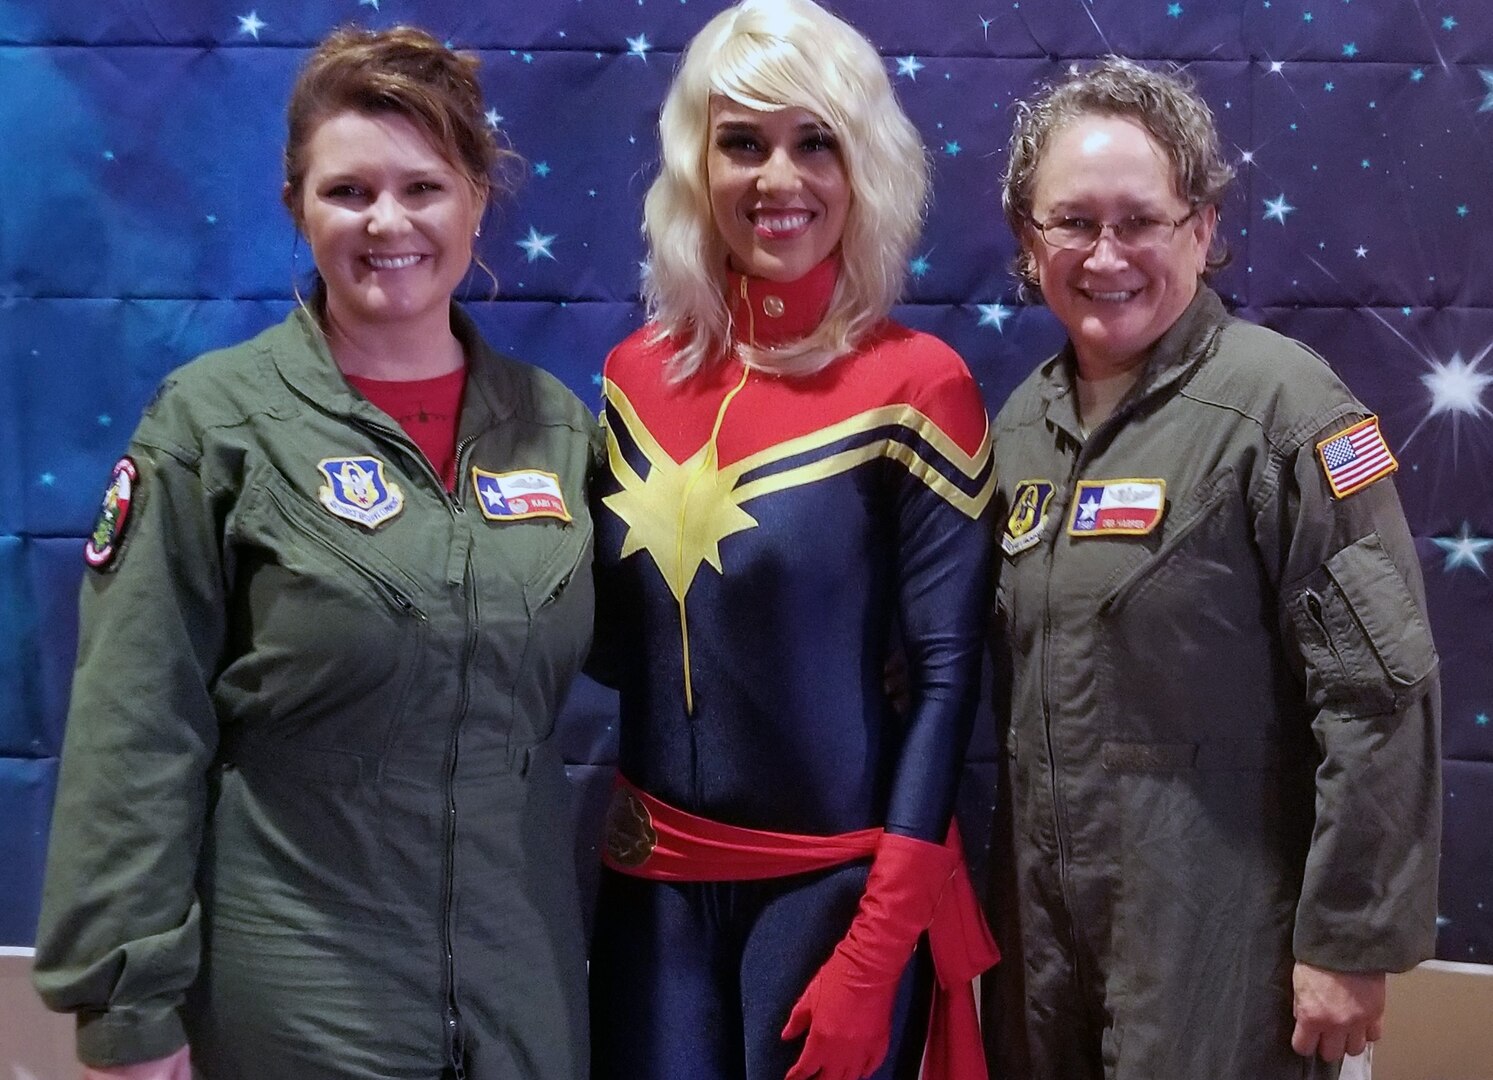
{"points": [[1117, 507], [513, 496], [1355, 457]]}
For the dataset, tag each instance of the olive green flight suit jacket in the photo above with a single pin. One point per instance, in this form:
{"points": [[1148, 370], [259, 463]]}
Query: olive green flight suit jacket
{"points": [[310, 816], [1222, 728]]}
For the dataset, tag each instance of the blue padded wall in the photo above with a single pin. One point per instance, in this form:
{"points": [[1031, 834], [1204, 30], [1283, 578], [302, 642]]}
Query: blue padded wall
{"points": [[140, 224]]}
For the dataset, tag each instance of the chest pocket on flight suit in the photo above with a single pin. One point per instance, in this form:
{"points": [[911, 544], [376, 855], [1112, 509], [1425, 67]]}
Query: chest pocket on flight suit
{"points": [[333, 632], [1181, 649]]}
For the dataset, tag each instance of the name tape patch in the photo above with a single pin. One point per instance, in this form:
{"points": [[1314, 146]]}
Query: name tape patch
{"points": [[1355, 457], [514, 496], [1117, 507]]}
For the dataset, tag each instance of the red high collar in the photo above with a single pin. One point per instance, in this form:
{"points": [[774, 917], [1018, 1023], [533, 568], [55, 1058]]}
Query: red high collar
{"points": [[769, 313]]}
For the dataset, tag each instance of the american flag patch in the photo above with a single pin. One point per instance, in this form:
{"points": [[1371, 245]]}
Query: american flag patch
{"points": [[1353, 459]]}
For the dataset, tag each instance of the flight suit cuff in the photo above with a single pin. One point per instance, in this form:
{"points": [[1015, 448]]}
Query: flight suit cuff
{"points": [[127, 1036]]}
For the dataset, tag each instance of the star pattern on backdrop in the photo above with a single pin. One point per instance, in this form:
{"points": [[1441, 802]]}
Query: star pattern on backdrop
{"points": [[1277, 208], [1464, 550], [537, 245], [251, 24], [994, 315]]}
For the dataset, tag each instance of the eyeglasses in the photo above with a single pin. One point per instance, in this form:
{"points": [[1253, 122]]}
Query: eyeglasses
{"points": [[1080, 234]]}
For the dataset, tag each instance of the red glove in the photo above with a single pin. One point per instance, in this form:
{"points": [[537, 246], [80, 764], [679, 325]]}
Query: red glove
{"points": [[847, 1008]]}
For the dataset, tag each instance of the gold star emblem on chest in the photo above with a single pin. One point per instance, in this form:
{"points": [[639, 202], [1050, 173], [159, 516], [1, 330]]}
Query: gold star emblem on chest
{"points": [[681, 511], [679, 514]]}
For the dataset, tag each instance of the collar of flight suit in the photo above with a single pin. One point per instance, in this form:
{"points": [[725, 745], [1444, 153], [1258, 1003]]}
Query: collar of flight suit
{"points": [[304, 361], [1171, 360]]}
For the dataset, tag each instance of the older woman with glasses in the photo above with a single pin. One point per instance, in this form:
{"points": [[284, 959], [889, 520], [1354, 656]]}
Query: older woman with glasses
{"points": [[1221, 783]]}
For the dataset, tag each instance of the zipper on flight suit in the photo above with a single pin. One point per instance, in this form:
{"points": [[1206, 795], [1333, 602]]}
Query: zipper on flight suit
{"points": [[455, 1053], [451, 1020], [1059, 811]]}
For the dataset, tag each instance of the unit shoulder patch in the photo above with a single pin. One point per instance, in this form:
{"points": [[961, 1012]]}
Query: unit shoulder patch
{"points": [[102, 546], [357, 490], [515, 496], [1355, 457], [1129, 507]]}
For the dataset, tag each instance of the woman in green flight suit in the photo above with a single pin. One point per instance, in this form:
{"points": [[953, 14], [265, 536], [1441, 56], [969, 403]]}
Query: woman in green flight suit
{"points": [[311, 822]]}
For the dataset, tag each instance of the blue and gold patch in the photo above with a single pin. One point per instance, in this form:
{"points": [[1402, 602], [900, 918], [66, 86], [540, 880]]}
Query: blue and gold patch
{"points": [[1029, 503], [357, 490]]}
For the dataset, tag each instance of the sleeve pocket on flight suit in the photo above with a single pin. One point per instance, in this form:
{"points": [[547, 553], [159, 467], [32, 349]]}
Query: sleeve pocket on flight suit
{"points": [[1362, 637]]}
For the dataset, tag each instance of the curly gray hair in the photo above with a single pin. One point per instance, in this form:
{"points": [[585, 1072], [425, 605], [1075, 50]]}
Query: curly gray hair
{"points": [[1166, 104]]}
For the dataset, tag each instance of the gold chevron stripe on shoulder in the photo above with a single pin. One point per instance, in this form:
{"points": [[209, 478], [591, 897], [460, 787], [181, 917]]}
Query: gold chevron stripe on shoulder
{"points": [[902, 416]]}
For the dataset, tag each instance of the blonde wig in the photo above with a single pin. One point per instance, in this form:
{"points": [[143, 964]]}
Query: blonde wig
{"points": [[770, 55]]}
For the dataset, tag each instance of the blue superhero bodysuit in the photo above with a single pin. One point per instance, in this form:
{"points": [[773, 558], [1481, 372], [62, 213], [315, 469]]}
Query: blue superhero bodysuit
{"points": [[761, 542]]}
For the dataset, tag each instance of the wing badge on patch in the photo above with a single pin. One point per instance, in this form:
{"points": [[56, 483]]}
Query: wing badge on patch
{"points": [[1029, 503], [108, 529], [357, 490], [514, 496], [1117, 507], [1355, 457]]}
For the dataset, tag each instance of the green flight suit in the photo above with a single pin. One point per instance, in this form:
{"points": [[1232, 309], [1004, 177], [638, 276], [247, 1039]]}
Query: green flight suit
{"points": [[310, 816], [1222, 733]]}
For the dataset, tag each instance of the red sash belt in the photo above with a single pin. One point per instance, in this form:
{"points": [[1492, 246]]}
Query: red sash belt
{"points": [[650, 839]]}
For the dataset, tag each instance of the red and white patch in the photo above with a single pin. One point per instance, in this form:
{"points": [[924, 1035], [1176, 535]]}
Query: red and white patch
{"points": [[108, 529], [1117, 507], [1355, 457], [514, 496]]}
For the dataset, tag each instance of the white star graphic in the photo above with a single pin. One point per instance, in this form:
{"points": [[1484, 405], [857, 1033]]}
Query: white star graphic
{"points": [[537, 245], [909, 66], [251, 24], [1277, 66], [1487, 105], [493, 118], [1464, 549], [1361, 251], [639, 46], [1247, 157], [1457, 387], [1278, 208], [492, 496], [994, 315], [1088, 508]]}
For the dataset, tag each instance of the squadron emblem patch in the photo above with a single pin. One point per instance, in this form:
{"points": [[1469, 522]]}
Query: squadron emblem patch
{"points": [[1029, 504], [357, 490], [108, 529], [1355, 457], [513, 496], [1117, 507]]}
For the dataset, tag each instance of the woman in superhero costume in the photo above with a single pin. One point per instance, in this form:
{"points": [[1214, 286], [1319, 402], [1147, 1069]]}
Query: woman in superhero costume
{"points": [[794, 486]]}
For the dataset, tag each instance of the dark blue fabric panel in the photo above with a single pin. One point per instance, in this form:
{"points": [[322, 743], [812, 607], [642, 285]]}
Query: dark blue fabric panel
{"points": [[1466, 930], [26, 786], [53, 569]]}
